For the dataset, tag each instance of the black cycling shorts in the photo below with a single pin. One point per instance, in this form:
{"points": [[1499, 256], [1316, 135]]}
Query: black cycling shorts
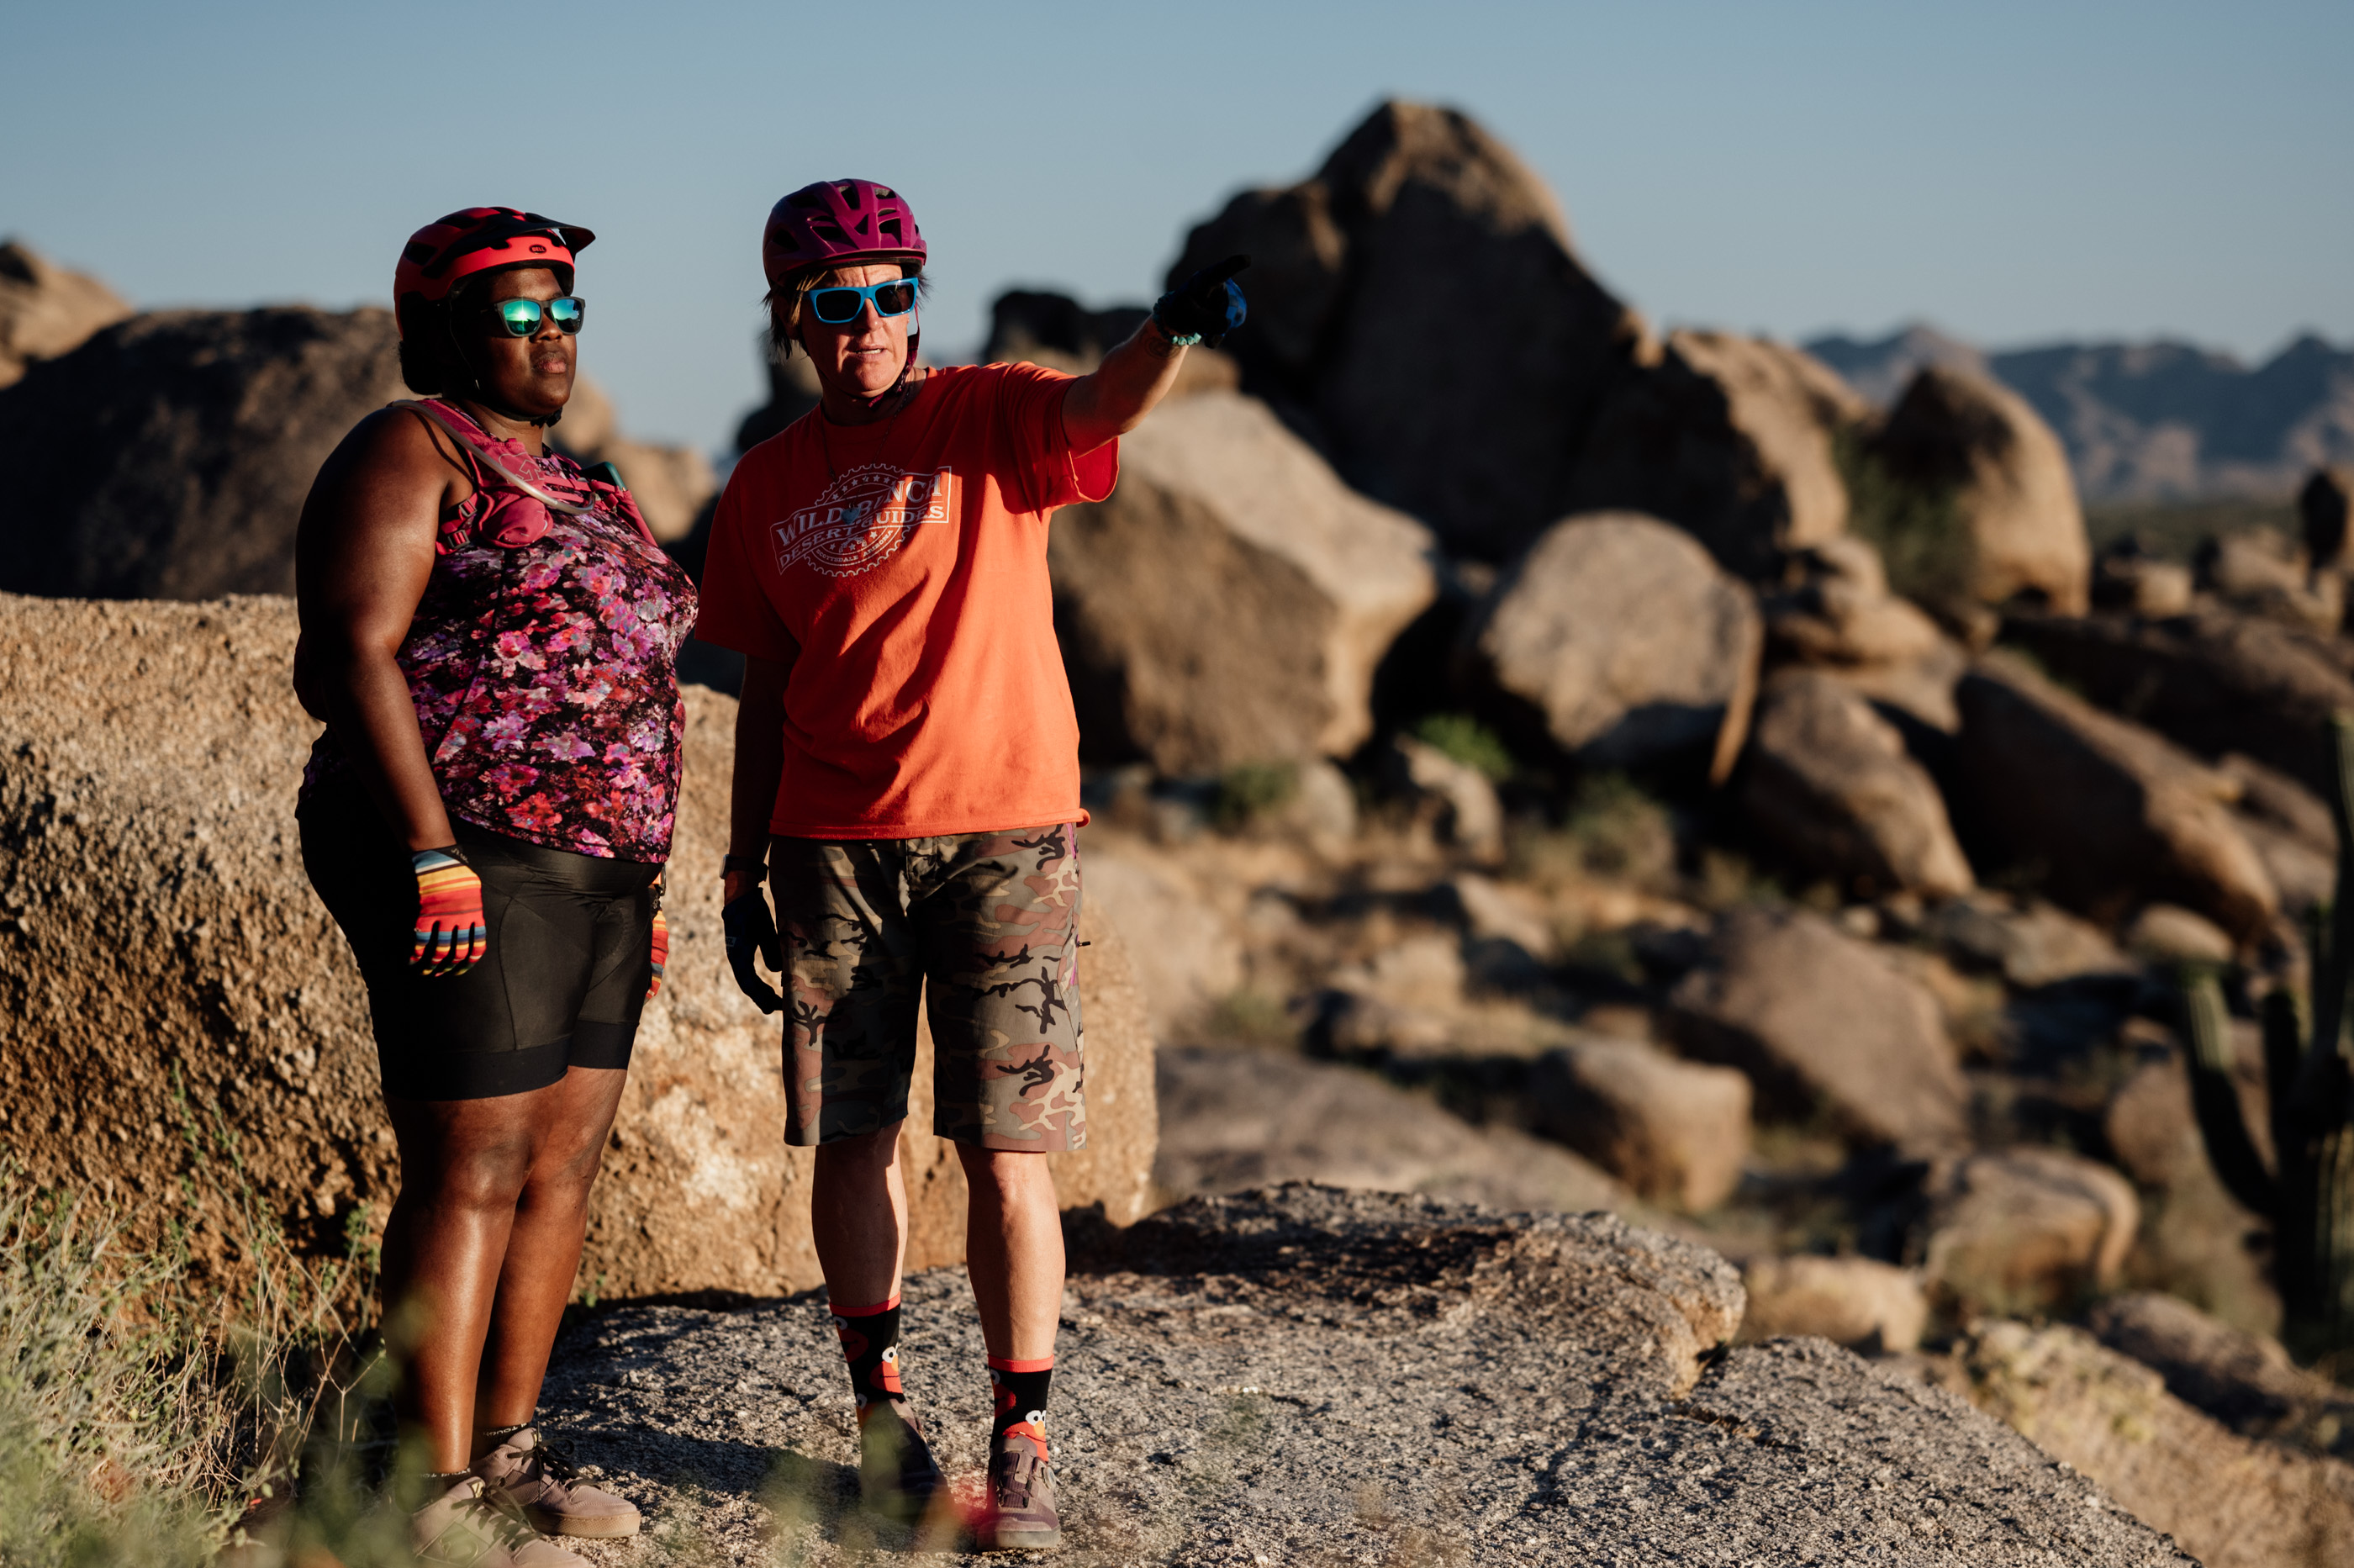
{"points": [[562, 985]]}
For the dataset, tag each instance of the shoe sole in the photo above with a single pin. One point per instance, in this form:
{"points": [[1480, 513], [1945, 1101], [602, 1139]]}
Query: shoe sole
{"points": [[611, 1528], [1023, 1540]]}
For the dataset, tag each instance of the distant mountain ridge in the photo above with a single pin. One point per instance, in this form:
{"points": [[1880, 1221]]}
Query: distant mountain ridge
{"points": [[2149, 421]]}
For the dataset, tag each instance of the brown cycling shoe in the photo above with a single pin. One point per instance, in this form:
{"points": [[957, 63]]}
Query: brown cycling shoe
{"points": [[896, 1473], [1018, 1514], [465, 1526], [522, 1476]]}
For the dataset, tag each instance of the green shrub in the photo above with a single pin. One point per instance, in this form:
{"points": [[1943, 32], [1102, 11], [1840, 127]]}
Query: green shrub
{"points": [[1470, 742], [142, 1408], [1250, 790], [1918, 528]]}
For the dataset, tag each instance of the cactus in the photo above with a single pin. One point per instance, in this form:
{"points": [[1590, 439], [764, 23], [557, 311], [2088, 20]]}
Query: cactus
{"points": [[2307, 1191]]}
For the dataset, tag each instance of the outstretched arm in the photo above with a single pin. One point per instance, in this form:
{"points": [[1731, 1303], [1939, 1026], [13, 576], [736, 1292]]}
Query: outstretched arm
{"points": [[1113, 399]]}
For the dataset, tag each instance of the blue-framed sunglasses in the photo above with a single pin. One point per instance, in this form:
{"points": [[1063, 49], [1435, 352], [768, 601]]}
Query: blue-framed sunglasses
{"points": [[839, 304], [521, 318]]}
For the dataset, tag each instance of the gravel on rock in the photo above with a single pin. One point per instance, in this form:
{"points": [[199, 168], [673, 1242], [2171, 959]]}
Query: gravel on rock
{"points": [[1304, 1375]]}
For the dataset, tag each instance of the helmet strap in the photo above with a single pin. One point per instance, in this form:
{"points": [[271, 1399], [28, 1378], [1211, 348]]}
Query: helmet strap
{"points": [[477, 389]]}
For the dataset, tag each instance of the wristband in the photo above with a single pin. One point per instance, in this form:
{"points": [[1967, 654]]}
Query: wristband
{"points": [[757, 865]]}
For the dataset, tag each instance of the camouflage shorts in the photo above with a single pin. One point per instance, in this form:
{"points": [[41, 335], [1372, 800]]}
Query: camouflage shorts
{"points": [[990, 922]]}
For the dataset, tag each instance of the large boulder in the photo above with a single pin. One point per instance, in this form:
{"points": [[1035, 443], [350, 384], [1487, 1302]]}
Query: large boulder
{"points": [[2235, 1502], [1236, 1119], [2027, 1230], [168, 456], [1617, 641], [2112, 815], [1228, 604], [163, 956], [1731, 438], [1677, 1132], [1827, 779], [1868, 1305], [1309, 1377], [1822, 1022], [2212, 681], [1347, 325], [47, 310], [2245, 1380], [2021, 529]]}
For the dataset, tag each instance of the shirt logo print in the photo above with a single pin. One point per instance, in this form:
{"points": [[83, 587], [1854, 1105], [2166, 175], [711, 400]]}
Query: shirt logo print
{"points": [[863, 519]]}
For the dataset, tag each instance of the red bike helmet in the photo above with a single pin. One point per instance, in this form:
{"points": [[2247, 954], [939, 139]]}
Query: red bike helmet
{"points": [[838, 223], [479, 240]]}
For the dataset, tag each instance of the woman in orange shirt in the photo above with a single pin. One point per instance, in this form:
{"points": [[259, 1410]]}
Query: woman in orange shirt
{"points": [[907, 780]]}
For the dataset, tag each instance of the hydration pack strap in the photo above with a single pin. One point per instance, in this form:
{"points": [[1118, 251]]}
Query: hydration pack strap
{"points": [[465, 435]]}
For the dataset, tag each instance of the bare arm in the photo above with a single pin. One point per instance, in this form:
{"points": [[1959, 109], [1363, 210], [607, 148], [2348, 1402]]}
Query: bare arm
{"points": [[363, 554], [1113, 399], [759, 765]]}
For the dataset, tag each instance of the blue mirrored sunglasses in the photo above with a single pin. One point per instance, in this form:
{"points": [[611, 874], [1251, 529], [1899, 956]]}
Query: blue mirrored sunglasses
{"points": [[840, 304], [521, 318]]}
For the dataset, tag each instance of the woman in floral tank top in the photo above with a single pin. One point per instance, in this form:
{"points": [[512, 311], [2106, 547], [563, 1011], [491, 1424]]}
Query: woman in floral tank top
{"points": [[489, 635]]}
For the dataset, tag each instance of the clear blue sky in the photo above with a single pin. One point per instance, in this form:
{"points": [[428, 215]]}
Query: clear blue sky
{"points": [[2014, 172]]}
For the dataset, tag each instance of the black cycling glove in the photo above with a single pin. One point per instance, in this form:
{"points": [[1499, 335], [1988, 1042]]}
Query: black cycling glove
{"points": [[1206, 306], [752, 929]]}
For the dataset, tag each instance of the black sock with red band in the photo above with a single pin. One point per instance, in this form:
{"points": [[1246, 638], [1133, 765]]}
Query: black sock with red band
{"points": [[1021, 1389], [870, 1343]]}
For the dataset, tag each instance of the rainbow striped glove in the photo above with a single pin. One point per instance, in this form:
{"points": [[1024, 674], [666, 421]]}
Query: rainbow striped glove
{"points": [[661, 952], [451, 935]]}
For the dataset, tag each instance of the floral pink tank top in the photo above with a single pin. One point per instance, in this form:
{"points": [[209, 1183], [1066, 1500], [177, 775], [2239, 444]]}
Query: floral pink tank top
{"points": [[543, 656]]}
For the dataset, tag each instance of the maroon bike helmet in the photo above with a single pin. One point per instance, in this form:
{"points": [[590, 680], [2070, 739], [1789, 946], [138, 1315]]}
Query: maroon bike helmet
{"points": [[838, 223]]}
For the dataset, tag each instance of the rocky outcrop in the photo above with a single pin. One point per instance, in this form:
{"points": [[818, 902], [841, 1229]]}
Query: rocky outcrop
{"points": [[1818, 1019], [1617, 641], [1677, 1132], [2212, 681], [1281, 1377], [47, 310], [163, 957], [1731, 438], [1236, 1119], [1346, 327], [168, 456], [1979, 444], [2112, 816], [2233, 1502], [1194, 959], [1827, 782], [2026, 1231], [2245, 1381], [1228, 604], [1841, 618], [671, 483], [1868, 1305]]}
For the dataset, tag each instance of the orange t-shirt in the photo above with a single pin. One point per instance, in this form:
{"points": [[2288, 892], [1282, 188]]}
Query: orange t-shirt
{"points": [[901, 566]]}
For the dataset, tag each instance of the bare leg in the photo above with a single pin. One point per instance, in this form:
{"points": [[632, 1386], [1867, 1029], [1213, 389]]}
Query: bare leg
{"points": [[858, 1216], [543, 1255], [463, 1165], [1013, 1250]]}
